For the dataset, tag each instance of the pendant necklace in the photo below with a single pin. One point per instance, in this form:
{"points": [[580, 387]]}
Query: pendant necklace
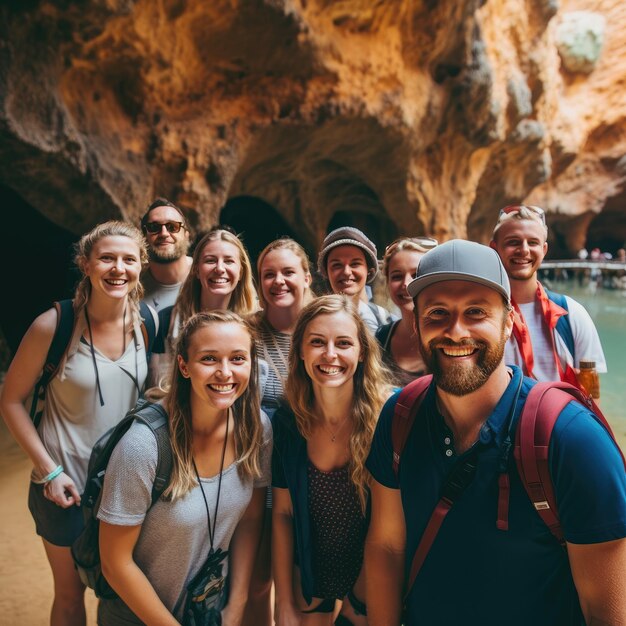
{"points": [[333, 435]]}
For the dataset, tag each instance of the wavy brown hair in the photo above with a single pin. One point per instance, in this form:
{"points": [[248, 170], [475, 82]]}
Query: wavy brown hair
{"points": [[371, 386], [246, 410], [83, 249], [243, 297]]}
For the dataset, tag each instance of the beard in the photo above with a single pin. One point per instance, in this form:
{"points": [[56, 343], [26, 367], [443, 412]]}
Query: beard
{"points": [[180, 248], [460, 379]]}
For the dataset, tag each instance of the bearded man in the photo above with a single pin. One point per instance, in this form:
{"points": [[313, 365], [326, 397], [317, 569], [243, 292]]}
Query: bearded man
{"points": [[167, 235], [478, 571]]}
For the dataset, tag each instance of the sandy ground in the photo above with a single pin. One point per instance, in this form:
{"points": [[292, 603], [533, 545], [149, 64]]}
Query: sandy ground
{"points": [[23, 564], [25, 577]]}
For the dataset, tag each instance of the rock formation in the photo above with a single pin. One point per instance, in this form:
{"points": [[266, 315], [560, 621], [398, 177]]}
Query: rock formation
{"points": [[411, 116]]}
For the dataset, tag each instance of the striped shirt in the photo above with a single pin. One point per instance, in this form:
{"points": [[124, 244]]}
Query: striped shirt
{"points": [[274, 348]]}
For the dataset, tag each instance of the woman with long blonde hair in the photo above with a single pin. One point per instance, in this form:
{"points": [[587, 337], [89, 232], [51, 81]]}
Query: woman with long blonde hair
{"points": [[220, 277], [99, 379], [207, 523], [398, 339], [335, 390]]}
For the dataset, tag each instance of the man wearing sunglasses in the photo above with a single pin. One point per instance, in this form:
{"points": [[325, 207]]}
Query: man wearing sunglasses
{"points": [[167, 236], [552, 332]]}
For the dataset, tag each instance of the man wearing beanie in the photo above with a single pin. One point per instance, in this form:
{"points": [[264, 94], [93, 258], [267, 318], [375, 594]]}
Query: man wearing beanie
{"points": [[349, 260], [454, 537]]}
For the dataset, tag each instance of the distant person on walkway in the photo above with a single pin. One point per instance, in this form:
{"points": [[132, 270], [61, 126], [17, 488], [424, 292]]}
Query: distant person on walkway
{"points": [[398, 339], [552, 333], [99, 379], [349, 260], [165, 229]]}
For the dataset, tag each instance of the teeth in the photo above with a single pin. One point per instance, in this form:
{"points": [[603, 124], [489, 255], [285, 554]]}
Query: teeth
{"points": [[222, 388], [219, 280], [112, 281], [457, 351], [329, 369]]}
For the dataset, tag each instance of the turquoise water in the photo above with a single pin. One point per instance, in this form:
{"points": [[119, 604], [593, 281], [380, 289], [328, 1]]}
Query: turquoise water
{"points": [[607, 308]]}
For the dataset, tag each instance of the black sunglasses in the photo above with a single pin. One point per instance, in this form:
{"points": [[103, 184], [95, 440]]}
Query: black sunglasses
{"points": [[155, 227]]}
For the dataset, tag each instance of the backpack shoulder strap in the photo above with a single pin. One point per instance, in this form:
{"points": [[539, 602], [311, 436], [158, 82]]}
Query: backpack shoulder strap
{"points": [[149, 327], [563, 325], [63, 332], [155, 417], [376, 311], [407, 406], [60, 341], [543, 406]]}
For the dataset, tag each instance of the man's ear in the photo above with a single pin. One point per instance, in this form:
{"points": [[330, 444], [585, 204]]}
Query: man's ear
{"points": [[492, 244]]}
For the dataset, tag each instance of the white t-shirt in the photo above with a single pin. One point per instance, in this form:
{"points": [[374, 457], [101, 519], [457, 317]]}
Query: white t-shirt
{"points": [[73, 419], [587, 344]]}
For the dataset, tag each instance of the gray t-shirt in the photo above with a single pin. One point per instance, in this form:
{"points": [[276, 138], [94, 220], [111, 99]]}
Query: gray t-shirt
{"points": [[174, 541], [158, 295]]}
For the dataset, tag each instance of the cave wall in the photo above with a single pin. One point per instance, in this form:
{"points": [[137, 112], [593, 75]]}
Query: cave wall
{"points": [[425, 116]]}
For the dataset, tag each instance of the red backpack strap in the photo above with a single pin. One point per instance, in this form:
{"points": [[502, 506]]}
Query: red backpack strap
{"points": [[543, 406], [407, 406]]}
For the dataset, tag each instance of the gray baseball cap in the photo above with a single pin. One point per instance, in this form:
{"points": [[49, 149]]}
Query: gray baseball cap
{"points": [[461, 260]]}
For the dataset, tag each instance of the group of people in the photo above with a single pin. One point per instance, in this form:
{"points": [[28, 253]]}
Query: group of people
{"points": [[278, 387]]}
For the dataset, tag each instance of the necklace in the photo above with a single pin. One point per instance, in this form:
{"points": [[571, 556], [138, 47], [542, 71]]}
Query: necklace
{"points": [[333, 435], [219, 489]]}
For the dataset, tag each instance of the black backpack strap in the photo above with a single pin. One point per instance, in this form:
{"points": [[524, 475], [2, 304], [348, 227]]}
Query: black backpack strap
{"points": [[60, 342], [155, 417], [149, 327], [457, 481]]}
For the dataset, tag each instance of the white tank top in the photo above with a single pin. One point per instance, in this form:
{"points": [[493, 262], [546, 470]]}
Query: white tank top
{"points": [[73, 419]]}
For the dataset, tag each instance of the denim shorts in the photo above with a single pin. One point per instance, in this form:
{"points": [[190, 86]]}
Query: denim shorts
{"points": [[56, 525]]}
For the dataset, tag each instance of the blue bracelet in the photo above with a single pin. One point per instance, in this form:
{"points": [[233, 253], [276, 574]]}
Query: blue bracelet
{"points": [[51, 476]]}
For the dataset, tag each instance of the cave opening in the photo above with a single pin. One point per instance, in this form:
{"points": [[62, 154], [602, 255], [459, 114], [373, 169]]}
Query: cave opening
{"points": [[37, 256], [256, 221], [607, 230]]}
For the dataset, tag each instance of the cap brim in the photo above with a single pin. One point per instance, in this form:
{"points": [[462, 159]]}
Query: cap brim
{"points": [[417, 285]]}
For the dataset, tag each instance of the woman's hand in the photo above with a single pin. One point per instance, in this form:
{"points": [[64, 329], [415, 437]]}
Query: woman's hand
{"points": [[62, 491]]}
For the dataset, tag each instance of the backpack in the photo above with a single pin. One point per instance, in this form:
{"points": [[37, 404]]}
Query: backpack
{"points": [[66, 323], [544, 403], [85, 549]]}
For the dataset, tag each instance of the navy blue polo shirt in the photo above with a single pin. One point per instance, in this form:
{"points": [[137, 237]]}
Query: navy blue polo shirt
{"points": [[475, 573]]}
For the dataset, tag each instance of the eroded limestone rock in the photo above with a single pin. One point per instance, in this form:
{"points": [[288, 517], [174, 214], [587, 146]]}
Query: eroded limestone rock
{"points": [[416, 117]]}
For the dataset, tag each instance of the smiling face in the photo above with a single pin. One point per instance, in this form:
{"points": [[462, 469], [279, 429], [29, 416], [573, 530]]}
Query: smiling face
{"points": [[401, 271], [219, 267], [218, 364], [163, 246], [463, 328], [283, 279], [113, 266], [347, 270], [331, 350], [522, 246]]}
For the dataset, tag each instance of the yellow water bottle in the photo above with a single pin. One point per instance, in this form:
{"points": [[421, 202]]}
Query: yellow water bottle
{"points": [[589, 379]]}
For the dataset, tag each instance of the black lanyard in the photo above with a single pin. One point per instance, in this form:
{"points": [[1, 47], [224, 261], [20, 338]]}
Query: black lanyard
{"points": [[219, 488]]}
